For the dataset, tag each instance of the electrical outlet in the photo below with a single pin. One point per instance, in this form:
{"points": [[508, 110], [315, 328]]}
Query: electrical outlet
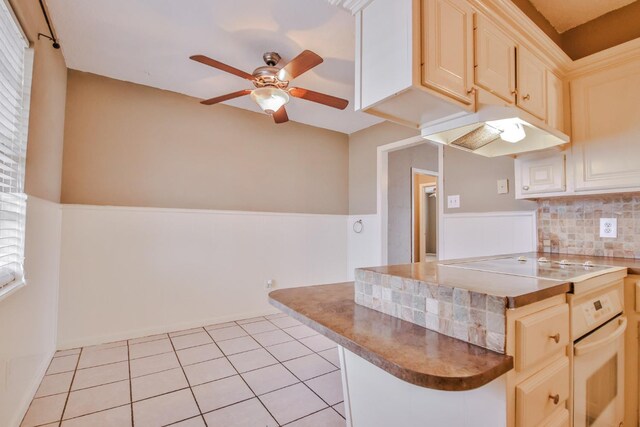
{"points": [[269, 284], [609, 227], [503, 186], [453, 201]]}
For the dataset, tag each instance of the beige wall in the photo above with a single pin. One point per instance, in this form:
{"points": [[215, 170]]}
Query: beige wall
{"points": [[363, 163], [475, 177], [608, 30], [46, 120], [472, 176], [423, 156], [132, 145]]}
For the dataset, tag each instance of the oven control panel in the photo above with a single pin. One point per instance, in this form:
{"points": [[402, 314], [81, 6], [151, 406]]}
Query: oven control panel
{"points": [[599, 309], [591, 311]]}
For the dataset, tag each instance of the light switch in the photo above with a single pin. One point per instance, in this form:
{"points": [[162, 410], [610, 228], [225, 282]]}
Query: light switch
{"points": [[503, 186], [609, 227], [453, 201]]}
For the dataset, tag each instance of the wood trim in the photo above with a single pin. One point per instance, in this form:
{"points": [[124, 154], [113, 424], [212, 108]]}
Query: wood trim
{"points": [[614, 56]]}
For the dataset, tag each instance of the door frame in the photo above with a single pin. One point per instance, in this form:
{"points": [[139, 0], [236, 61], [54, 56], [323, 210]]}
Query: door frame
{"points": [[414, 172], [422, 245], [382, 189]]}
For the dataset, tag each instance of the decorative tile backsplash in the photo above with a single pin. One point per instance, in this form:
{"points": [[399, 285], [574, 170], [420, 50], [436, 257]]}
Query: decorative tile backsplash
{"points": [[572, 225], [469, 316]]}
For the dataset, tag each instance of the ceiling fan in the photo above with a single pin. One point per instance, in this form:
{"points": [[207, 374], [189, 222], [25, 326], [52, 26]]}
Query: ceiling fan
{"points": [[272, 90]]}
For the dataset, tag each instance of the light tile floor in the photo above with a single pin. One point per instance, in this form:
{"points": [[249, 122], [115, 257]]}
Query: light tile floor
{"points": [[265, 371]]}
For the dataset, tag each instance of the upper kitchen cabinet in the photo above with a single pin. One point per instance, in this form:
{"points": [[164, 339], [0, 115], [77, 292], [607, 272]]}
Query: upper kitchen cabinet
{"points": [[447, 48], [532, 77], [412, 73], [459, 74], [606, 128], [495, 60], [555, 102], [540, 173]]}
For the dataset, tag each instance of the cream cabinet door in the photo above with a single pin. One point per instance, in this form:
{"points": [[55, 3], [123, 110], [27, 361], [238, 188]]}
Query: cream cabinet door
{"points": [[606, 128], [447, 48], [495, 60], [555, 102], [541, 174], [384, 49], [531, 83]]}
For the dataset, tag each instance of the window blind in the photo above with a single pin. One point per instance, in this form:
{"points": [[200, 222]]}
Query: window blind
{"points": [[16, 61]]}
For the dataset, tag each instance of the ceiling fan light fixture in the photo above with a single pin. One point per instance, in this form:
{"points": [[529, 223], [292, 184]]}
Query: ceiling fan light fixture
{"points": [[270, 99]]}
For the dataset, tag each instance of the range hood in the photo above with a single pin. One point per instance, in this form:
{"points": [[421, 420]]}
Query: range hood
{"points": [[495, 131]]}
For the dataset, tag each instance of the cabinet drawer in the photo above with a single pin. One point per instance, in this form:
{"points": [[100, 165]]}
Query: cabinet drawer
{"points": [[560, 418], [540, 395], [541, 335]]}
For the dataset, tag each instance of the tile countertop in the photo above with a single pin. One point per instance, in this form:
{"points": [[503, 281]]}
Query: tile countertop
{"points": [[518, 291], [408, 351]]}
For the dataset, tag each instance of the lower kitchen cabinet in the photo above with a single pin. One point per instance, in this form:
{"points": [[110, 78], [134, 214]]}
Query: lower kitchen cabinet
{"points": [[538, 397]]}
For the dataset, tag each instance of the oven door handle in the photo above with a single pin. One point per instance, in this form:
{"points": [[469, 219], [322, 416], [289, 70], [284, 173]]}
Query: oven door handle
{"points": [[584, 348]]}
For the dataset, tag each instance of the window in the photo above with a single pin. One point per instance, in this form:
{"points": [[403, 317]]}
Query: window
{"points": [[16, 61]]}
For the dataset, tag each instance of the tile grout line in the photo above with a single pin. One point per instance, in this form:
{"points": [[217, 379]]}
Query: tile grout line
{"points": [[305, 384], [130, 383], [73, 378], [247, 384], [192, 364], [308, 415], [188, 382], [96, 412]]}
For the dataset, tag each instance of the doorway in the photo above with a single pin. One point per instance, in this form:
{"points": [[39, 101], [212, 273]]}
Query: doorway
{"points": [[424, 208]]}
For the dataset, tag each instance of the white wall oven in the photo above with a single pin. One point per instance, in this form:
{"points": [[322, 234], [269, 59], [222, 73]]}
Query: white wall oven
{"points": [[598, 328]]}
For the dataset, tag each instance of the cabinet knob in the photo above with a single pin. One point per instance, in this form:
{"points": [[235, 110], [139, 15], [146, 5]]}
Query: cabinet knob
{"points": [[526, 97], [472, 90], [525, 187], [555, 398], [555, 337], [514, 92]]}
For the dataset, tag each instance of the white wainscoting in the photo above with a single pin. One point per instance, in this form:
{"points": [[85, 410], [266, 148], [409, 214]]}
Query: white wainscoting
{"points": [[129, 272], [364, 247], [488, 233], [29, 315]]}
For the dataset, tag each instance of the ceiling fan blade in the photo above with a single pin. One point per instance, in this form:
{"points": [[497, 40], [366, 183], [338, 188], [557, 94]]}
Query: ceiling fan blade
{"points": [[220, 66], [300, 64], [318, 97], [280, 116], [226, 97]]}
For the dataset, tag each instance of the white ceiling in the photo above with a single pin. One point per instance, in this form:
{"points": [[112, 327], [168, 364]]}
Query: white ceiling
{"points": [[567, 14], [149, 42]]}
